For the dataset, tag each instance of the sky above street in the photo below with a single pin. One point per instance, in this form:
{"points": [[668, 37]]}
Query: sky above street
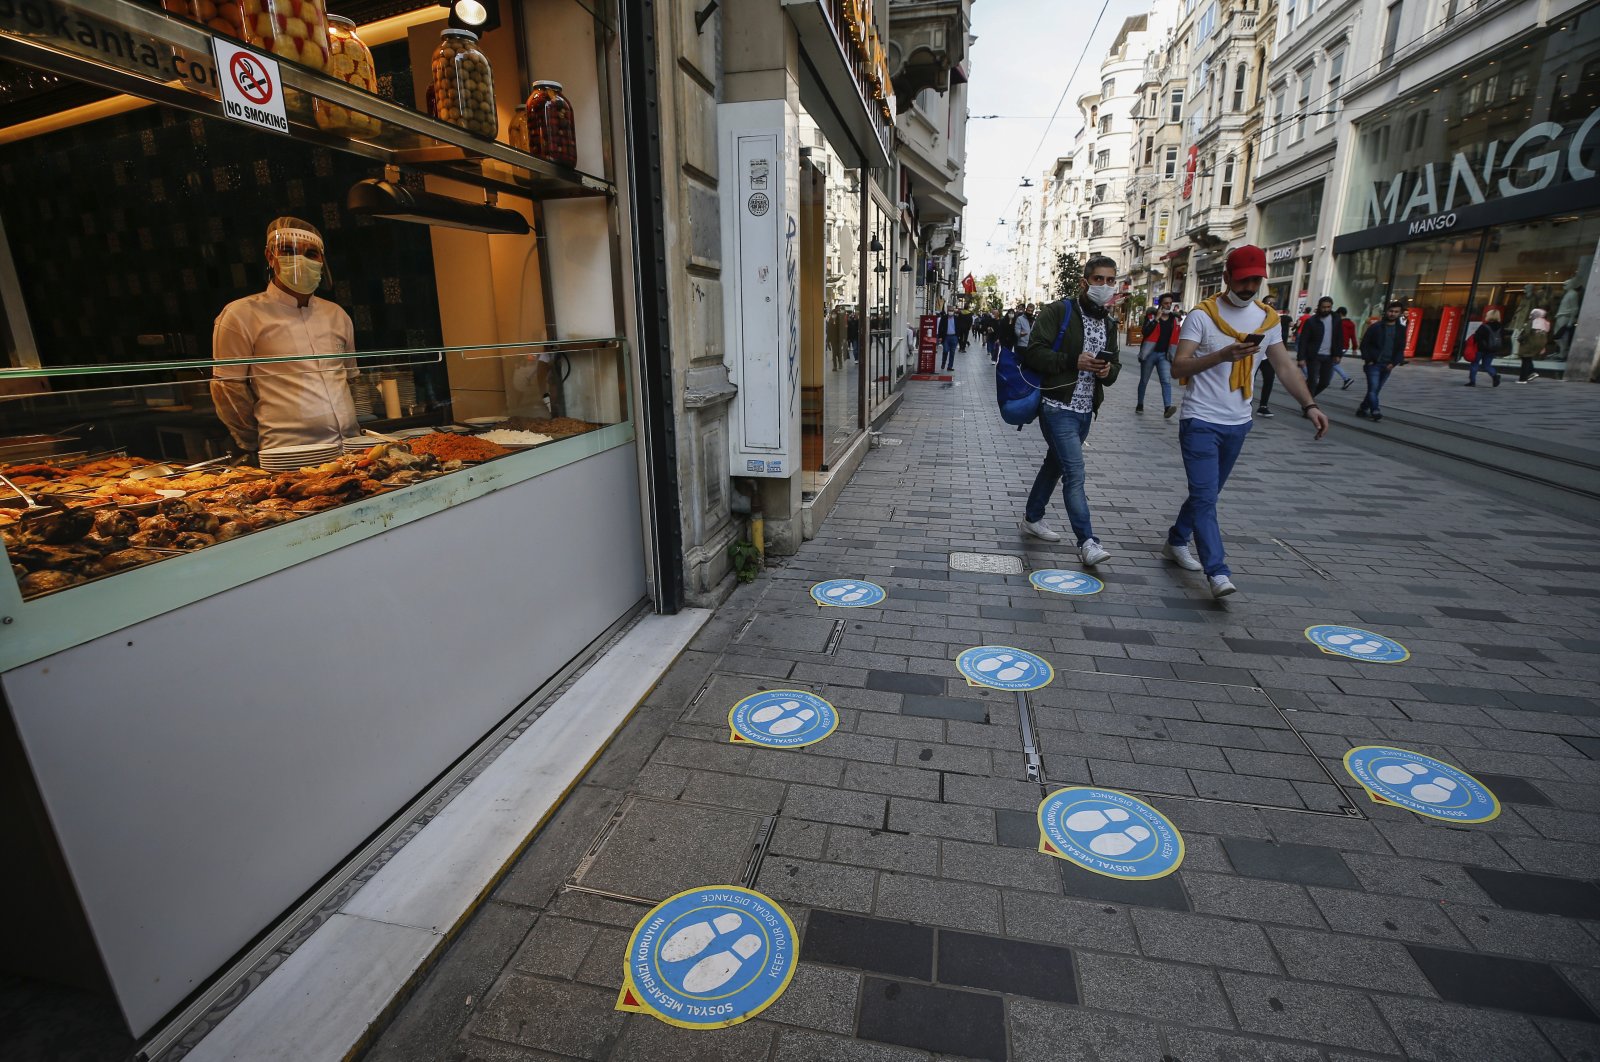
{"points": [[1024, 54]]}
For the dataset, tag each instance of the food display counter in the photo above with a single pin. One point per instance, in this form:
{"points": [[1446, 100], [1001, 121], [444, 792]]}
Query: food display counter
{"points": [[230, 667]]}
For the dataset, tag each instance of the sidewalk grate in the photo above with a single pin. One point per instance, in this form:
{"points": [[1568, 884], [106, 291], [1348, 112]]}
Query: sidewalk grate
{"points": [[988, 563]]}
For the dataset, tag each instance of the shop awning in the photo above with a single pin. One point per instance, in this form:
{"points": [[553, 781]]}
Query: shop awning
{"points": [[1181, 252], [839, 102]]}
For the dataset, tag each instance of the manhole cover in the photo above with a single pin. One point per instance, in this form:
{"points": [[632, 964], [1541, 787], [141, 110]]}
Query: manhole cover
{"points": [[991, 563]]}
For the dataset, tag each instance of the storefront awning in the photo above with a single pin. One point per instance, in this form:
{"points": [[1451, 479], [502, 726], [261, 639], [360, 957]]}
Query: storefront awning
{"points": [[838, 100], [1181, 252]]}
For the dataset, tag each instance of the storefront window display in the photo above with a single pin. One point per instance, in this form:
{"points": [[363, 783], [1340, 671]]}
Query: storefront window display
{"points": [[882, 293], [1482, 193]]}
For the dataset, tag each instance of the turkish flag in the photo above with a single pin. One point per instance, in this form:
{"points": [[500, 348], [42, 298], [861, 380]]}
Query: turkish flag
{"points": [[969, 285]]}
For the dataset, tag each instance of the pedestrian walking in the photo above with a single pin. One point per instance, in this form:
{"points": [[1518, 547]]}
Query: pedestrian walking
{"points": [[1269, 375], [1347, 345], [991, 335], [947, 335], [1383, 347], [963, 329], [1155, 356], [1489, 342], [1073, 348], [1531, 343], [1218, 350], [853, 335], [1318, 346], [1023, 323]]}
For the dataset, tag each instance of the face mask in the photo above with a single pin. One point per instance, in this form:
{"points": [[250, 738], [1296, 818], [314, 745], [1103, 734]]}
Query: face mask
{"points": [[1241, 301], [298, 273], [1100, 294]]}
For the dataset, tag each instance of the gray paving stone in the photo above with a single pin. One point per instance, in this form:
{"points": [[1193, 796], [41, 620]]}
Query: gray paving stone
{"points": [[1044, 1032], [1387, 917], [835, 805], [790, 880], [1424, 879], [956, 904], [883, 851], [1318, 1013], [1203, 940], [1444, 1032], [940, 757], [1198, 1045], [555, 947], [1381, 965], [941, 820], [1005, 867], [1076, 923], [603, 965], [650, 1040], [798, 838], [799, 1046], [575, 1020], [893, 781], [1298, 863], [1549, 938], [1185, 994], [732, 791], [1259, 901], [819, 997]]}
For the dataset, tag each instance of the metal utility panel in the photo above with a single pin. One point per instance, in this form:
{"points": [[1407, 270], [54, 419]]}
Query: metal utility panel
{"points": [[761, 255]]}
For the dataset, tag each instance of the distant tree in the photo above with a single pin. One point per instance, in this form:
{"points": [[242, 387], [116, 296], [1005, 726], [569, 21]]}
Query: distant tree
{"points": [[989, 292], [1069, 274]]}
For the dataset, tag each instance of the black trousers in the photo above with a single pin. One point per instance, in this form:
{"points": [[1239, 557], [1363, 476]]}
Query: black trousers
{"points": [[1319, 374], [1269, 376]]}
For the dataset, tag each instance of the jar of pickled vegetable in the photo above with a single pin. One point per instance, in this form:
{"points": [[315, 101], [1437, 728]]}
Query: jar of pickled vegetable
{"points": [[517, 129], [224, 16], [551, 135], [463, 84], [294, 29], [349, 60]]}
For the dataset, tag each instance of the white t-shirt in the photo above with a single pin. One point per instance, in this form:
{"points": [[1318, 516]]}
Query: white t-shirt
{"points": [[1208, 396]]}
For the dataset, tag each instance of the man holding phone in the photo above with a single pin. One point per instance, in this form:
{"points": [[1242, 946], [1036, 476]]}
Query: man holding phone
{"points": [[1073, 348], [1219, 350]]}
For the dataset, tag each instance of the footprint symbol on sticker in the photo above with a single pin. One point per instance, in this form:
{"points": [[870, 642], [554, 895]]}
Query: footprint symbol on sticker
{"points": [[783, 718], [991, 665], [1114, 843], [1435, 790], [847, 593], [1064, 582], [1356, 643], [717, 969]]}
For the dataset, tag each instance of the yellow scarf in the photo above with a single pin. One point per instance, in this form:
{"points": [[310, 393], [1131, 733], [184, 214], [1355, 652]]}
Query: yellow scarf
{"points": [[1244, 371]]}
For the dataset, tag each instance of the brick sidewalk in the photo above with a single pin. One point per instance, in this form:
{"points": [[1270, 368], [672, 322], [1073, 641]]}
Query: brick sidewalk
{"points": [[1306, 922]]}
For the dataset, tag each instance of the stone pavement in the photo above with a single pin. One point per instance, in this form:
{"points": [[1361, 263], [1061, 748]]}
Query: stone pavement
{"points": [[1306, 920]]}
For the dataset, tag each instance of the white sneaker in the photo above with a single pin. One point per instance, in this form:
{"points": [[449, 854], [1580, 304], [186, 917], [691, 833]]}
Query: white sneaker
{"points": [[1182, 556], [1092, 552], [1222, 586], [1040, 529]]}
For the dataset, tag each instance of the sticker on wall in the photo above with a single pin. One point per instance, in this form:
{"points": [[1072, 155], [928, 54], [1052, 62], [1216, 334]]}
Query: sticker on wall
{"points": [[1003, 667], [1356, 644], [848, 593], [708, 958], [782, 719], [1421, 784], [1109, 833], [1062, 581]]}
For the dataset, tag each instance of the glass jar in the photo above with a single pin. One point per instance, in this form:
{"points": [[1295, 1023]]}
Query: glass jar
{"points": [[224, 16], [463, 84], [551, 135], [294, 29], [517, 129], [349, 60]]}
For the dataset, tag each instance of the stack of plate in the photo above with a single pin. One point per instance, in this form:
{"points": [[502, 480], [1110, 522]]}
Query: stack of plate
{"points": [[289, 458], [359, 444]]}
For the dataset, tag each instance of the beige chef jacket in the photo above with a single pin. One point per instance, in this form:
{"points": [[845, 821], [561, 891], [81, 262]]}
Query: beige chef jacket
{"points": [[285, 403]]}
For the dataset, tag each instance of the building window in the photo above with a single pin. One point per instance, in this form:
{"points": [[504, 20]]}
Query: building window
{"points": [[1162, 220], [1108, 88], [1391, 33], [1170, 167], [1238, 86], [1149, 149], [1175, 111], [1151, 113], [1144, 207], [1183, 219], [1225, 193], [1335, 80], [1303, 102], [1097, 228], [1280, 108], [1207, 22], [1102, 159], [1288, 14], [1099, 194], [1105, 123]]}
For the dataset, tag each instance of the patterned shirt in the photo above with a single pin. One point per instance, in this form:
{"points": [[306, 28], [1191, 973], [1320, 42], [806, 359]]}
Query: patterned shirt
{"points": [[1094, 342]]}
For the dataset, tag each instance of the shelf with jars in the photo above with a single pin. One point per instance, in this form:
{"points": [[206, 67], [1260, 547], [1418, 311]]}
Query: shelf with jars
{"points": [[167, 56]]}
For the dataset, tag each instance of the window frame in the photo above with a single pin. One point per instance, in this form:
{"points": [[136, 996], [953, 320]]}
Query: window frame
{"points": [[1169, 163], [1239, 80], [1174, 106], [1303, 80], [1335, 84]]}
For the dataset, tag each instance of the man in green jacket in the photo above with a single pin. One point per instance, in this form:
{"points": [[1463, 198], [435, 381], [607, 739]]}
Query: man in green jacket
{"points": [[1075, 365]]}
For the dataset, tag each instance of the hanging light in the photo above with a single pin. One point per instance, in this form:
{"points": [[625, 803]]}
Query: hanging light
{"points": [[880, 268], [876, 246], [905, 267]]}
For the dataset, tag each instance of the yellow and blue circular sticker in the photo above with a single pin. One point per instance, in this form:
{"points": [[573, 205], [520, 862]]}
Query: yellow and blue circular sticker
{"points": [[1357, 644], [709, 958], [1063, 581], [782, 719], [1421, 784], [848, 593], [1109, 833], [1004, 667]]}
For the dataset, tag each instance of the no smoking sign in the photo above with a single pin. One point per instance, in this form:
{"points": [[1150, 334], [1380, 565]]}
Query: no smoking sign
{"points": [[252, 87]]}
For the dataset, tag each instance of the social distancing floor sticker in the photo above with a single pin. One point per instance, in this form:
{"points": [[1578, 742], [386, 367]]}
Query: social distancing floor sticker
{"points": [[1356, 644], [1004, 667], [1109, 833], [1063, 581], [1421, 784], [782, 719], [709, 958], [848, 593]]}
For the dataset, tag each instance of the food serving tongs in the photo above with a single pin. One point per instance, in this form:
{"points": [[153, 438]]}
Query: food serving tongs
{"points": [[32, 506], [162, 471]]}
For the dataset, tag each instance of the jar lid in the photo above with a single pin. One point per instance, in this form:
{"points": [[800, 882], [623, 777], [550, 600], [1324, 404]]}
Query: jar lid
{"points": [[548, 84], [460, 33], [340, 20]]}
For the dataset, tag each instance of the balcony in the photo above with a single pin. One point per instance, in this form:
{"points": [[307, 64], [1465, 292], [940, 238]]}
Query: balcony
{"points": [[931, 38]]}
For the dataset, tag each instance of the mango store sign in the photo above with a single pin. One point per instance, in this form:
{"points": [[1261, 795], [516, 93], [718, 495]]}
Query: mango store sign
{"points": [[1541, 155]]}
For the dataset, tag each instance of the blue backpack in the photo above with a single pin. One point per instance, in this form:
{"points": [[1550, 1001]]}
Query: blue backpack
{"points": [[1015, 388]]}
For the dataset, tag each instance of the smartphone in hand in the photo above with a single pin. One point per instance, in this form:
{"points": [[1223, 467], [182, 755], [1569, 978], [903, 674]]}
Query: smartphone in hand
{"points": [[1255, 338]]}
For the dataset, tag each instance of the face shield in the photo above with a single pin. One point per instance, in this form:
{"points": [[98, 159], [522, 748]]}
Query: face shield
{"points": [[296, 254]]}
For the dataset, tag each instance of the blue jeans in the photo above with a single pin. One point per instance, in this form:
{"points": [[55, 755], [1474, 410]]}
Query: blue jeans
{"points": [[1064, 432], [1484, 362], [949, 352], [1209, 451], [1156, 362], [1376, 376]]}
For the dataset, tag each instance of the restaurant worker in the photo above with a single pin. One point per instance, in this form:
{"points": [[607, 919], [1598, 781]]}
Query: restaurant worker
{"points": [[285, 403]]}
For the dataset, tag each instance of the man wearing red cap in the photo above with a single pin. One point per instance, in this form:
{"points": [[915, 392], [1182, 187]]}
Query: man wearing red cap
{"points": [[1218, 352]]}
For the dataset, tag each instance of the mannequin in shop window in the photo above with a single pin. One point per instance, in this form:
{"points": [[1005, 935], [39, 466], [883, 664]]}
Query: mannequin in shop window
{"points": [[287, 403], [1566, 322]]}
